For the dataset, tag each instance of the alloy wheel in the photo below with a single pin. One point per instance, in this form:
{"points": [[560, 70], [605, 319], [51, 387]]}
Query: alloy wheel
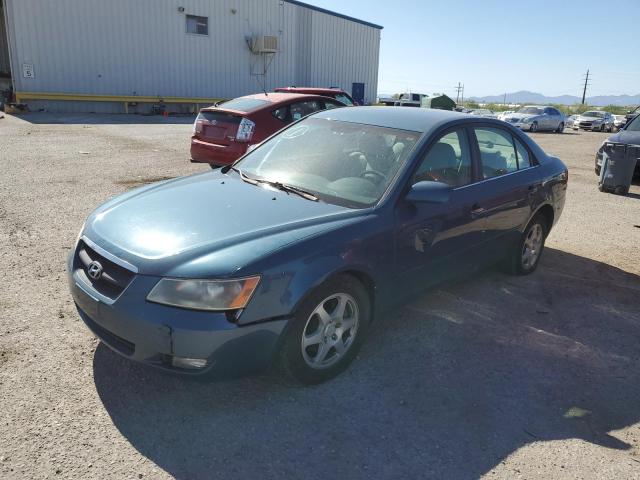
{"points": [[330, 331], [532, 246], [534, 127]]}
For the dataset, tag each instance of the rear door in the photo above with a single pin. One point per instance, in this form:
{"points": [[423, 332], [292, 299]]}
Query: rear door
{"points": [[510, 181]]}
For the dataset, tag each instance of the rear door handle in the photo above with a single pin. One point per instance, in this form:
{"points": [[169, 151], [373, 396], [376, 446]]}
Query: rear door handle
{"points": [[476, 209]]}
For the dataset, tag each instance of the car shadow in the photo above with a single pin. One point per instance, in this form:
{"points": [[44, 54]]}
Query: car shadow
{"points": [[447, 387], [45, 118]]}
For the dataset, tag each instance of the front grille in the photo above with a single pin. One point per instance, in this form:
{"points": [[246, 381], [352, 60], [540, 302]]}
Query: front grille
{"points": [[114, 278], [585, 124]]}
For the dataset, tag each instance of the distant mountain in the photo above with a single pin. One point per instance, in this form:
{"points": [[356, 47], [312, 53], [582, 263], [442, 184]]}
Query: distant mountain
{"points": [[524, 96]]}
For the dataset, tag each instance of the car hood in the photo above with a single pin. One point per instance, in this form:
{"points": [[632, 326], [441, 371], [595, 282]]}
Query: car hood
{"points": [[168, 228], [626, 137]]}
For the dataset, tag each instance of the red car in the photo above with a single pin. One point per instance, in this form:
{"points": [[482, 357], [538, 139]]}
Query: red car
{"points": [[336, 93], [223, 133]]}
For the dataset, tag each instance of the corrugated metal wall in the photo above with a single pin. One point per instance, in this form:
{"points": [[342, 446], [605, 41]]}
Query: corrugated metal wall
{"points": [[124, 47]]}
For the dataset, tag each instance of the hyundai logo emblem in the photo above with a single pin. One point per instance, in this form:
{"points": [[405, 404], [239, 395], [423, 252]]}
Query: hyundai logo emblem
{"points": [[94, 270]]}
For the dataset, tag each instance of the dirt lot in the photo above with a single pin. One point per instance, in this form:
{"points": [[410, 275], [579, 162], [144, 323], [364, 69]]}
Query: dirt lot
{"points": [[495, 376]]}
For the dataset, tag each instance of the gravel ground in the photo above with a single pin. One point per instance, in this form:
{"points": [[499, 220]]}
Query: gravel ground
{"points": [[494, 376]]}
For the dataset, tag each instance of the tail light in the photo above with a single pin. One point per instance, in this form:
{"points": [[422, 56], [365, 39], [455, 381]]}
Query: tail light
{"points": [[245, 130], [197, 125]]}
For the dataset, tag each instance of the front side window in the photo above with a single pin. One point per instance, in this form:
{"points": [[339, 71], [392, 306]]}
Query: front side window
{"points": [[344, 163], [331, 105], [197, 25], [344, 99], [448, 161]]}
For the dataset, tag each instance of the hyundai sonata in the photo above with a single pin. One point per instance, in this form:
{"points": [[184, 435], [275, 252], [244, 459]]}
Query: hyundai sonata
{"points": [[286, 257]]}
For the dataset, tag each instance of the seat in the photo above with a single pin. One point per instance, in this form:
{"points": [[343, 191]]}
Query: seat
{"points": [[440, 164]]}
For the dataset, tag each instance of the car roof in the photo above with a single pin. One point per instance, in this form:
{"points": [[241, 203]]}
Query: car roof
{"points": [[273, 98], [309, 90], [403, 118]]}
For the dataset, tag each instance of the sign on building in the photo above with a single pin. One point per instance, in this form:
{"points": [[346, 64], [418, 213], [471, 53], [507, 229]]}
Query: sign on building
{"points": [[27, 70]]}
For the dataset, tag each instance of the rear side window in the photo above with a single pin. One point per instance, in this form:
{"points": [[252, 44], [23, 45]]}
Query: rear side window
{"points": [[331, 105], [500, 152], [448, 161], [281, 113], [497, 152], [524, 160], [302, 109]]}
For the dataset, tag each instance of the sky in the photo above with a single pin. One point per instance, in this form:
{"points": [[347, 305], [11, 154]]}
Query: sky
{"points": [[500, 46]]}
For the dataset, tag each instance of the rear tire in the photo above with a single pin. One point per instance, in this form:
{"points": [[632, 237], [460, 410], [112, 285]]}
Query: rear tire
{"points": [[320, 343], [528, 251]]}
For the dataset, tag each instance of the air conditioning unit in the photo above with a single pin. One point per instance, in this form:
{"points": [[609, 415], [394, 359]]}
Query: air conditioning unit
{"points": [[264, 44]]}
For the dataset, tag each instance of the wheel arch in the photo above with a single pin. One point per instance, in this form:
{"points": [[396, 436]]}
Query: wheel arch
{"points": [[546, 210]]}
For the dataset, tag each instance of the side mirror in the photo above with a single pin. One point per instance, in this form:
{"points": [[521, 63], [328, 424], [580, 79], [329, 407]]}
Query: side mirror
{"points": [[429, 192]]}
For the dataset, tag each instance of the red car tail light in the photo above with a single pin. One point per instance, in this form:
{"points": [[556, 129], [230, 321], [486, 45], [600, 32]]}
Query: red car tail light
{"points": [[197, 125], [245, 130]]}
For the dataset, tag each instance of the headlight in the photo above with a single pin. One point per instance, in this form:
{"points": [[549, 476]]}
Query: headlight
{"points": [[526, 120], [204, 294]]}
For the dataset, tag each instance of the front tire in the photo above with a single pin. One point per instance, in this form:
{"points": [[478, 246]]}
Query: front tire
{"points": [[560, 128], [326, 332], [533, 127], [527, 253]]}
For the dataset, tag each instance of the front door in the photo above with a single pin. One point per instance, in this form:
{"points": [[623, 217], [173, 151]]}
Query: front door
{"points": [[357, 92], [434, 241]]}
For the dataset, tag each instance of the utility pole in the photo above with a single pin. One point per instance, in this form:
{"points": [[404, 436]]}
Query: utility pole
{"points": [[504, 102], [586, 82], [458, 89], [462, 100]]}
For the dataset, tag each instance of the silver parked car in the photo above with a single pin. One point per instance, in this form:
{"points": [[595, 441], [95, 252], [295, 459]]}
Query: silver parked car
{"points": [[594, 120], [619, 121], [534, 118], [484, 113]]}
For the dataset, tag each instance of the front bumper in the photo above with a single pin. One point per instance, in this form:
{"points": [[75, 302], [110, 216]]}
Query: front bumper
{"points": [[522, 125], [154, 334]]}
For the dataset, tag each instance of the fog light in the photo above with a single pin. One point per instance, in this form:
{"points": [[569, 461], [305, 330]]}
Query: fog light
{"points": [[191, 363]]}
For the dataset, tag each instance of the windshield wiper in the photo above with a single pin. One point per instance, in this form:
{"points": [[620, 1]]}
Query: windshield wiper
{"points": [[279, 185], [290, 188]]}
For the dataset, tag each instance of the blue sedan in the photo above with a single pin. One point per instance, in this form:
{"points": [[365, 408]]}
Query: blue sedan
{"points": [[284, 259]]}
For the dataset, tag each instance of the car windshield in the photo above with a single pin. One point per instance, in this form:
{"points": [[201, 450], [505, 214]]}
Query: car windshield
{"points": [[531, 110], [344, 163], [593, 114], [243, 104], [634, 125]]}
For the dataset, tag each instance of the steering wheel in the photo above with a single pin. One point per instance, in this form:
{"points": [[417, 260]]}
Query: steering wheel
{"points": [[375, 173]]}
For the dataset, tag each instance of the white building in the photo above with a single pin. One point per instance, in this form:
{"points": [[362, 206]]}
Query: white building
{"points": [[126, 55]]}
